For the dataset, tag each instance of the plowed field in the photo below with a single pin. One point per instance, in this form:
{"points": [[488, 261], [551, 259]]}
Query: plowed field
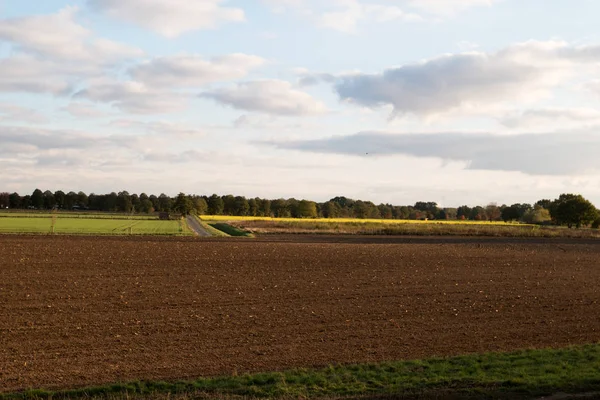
{"points": [[89, 310]]}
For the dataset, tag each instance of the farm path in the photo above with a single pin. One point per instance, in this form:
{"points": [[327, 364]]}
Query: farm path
{"points": [[196, 227]]}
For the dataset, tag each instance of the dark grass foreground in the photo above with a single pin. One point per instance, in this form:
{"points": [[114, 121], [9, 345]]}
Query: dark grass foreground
{"points": [[523, 374]]}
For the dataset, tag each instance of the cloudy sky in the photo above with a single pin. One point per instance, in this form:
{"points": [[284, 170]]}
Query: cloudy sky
{"points": [[453, 101]]}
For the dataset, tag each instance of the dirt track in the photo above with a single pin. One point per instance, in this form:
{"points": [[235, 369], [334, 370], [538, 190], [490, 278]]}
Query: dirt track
{"points": [[81, 310]]}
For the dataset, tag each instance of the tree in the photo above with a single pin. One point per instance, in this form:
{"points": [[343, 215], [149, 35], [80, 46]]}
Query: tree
{"points": [[280, 208], [124, 202], [136, 202], [264, 208], [215, 205], [511, 213], [37, 199], [451, 213], [49, 201], [330, 209], [183, 204], [228, 204], [386, 211], [544, 203], [59, 198], [538, 215], [155, 203], [478, 214], [165, 203], [4, 200], [307, 209], [110, 202], [571, 209], [15, 200], [429, 208], [82, 199], [241, 206], [253, 204], [493, 212], [463, 212], [146, 206], [200, 205], [70, 200]]}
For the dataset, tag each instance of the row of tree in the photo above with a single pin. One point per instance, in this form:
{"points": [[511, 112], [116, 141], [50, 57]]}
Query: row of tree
{"points": [[568, 209]]}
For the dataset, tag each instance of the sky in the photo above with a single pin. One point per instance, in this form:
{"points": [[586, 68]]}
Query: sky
{"points": [[393, 101]]}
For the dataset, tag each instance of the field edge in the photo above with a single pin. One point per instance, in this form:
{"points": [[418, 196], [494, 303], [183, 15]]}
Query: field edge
{"points": [[521, 374]]}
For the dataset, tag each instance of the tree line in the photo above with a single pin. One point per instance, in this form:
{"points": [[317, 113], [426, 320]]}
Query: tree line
{"points": [[571, 210]]}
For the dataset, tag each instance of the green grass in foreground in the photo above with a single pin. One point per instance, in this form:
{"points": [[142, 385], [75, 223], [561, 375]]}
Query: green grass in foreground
{"points": [[229, 230], [214, 232], [520, 374], [101, 226]]}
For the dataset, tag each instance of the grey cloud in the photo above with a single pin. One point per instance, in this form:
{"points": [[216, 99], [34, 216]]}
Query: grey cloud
{"points": [[193, 70], [45, 139], [26, 74], [309, 79], [536, 154], [268, 96], [439, 85], [518, 73], [134, 97]]}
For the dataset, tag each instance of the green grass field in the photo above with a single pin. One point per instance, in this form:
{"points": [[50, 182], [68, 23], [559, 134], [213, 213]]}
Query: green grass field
{"points": [[99, 226], [79, 215], [518, 375]]}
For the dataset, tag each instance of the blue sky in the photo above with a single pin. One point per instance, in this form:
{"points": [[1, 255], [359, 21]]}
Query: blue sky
{"points": [[453, 101]]}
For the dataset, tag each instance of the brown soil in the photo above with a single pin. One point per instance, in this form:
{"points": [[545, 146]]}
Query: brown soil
{"points": [[83, 310]]}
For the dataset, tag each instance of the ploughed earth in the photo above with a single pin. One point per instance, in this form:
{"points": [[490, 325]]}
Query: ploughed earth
{"points": [[78, 311]]}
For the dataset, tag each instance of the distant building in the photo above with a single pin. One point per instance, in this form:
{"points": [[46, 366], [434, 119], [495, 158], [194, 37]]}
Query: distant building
{"points": [[164, 216]]}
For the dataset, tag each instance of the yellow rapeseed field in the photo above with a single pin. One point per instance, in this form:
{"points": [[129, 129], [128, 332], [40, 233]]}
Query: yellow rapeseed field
{"points": [[352, 220]]}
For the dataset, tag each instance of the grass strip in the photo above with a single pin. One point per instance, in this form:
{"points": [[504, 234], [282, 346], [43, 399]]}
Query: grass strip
{"points": [[230, 230], [213, 231], [521, 374]]}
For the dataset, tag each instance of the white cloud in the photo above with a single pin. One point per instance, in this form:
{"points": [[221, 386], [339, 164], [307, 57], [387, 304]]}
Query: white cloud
{"points": [[520, 73], [170, 18], [343, 15], [268, 96], [193, 70], [446, 7], [11, 112], [346, 18], [82, 110], [53, 53], [551, 117], [594, 86], [160, 128], [133, 97], [59, 37], [24, 73]]}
